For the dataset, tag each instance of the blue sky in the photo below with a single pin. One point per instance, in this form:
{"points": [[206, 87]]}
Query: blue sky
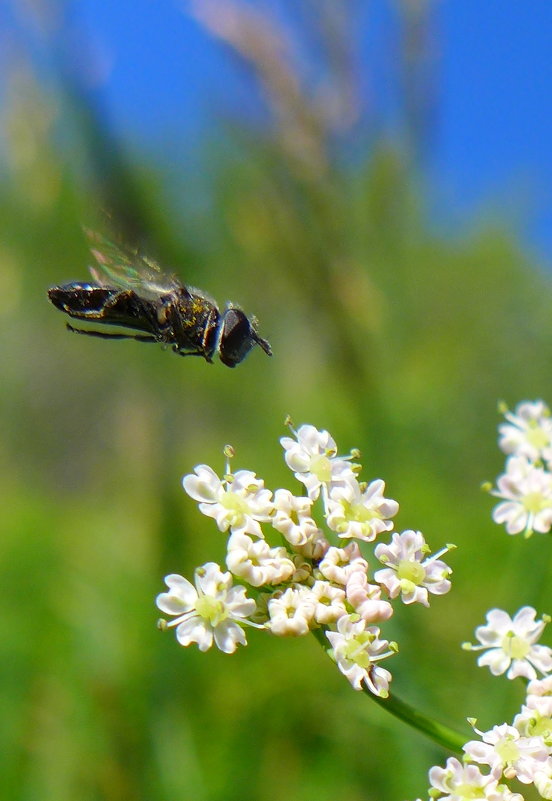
{"points": [[166, 83], [495, 131]]}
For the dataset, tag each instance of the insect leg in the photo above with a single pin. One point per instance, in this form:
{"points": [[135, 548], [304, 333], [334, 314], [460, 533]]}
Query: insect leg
{"points": [[175, 349], [106, 335]]}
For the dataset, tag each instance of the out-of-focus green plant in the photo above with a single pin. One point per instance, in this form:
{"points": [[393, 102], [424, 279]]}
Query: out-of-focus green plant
{"points": [[385, 332]]}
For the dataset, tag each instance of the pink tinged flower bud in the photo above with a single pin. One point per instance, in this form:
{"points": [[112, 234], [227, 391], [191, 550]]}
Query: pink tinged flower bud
{"points": [[365, 598], [292, 518], [330, 602], [315, 548], [338, 563]]}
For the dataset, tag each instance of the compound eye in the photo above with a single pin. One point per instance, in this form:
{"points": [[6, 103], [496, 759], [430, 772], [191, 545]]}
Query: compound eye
{"points": [[235, 339]]}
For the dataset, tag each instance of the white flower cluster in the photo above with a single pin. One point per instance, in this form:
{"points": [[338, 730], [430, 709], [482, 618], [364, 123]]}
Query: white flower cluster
{"points": [[306, 582], [521, 750], [525, 487]]}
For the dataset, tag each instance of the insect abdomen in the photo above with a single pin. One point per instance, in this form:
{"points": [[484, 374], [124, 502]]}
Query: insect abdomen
{"points": [[105, 305], [79, 298]]}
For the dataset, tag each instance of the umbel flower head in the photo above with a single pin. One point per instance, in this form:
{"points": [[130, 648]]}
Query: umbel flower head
{"points": [[294, 574], [520, 750], [525, 488]]}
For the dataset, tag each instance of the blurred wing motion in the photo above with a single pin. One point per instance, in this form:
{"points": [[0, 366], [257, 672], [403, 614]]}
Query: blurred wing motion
{"points": [[116, 267], [131, 292]]}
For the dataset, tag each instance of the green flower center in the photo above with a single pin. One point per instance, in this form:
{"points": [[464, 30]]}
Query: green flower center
{"points": [[468, 791], [507, 750], [211, 609], [535, 502], [539, 727], [537, 437], [412, 572], [514, 646], [355, 650], [322, 468], [359, 513], [236, 507]]}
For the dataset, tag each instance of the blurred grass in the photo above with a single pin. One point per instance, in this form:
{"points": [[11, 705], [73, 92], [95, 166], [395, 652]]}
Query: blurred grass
{"points": [[397, 340]]}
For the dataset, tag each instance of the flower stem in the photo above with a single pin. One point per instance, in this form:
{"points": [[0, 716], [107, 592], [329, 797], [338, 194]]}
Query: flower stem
{"points": [[438, 732], [444, 736]]}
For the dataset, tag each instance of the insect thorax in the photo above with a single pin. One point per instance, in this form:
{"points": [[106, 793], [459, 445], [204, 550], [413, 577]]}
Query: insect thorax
{"points": [[194, 322]]}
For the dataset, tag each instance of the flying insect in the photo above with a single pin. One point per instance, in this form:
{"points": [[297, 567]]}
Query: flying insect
{"points": [[130, 291]]}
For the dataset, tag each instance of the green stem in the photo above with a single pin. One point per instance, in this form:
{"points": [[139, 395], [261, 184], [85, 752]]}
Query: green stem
{"points": [[438, 732], [444, 736]]}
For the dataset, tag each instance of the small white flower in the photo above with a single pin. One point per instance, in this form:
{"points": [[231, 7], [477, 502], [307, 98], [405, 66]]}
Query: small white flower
{"points": [[292, 518], [239, 502], [502, 793], [365, 598], [211, 610], [460, 782], [362, 514], [408, 572], [256, 562], [330, 602], [527, 497], [539, 695], [338, 563], [543, 780], [528, 431], [356, 649], [507, 752], [530, 722], [313, 458], [315, 548], [511, 644], [291, 612]]}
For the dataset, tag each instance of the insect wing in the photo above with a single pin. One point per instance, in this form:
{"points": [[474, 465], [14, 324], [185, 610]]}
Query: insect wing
{"points": [[128, 270]]}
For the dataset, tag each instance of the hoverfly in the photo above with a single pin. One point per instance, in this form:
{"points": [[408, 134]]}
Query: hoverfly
{"points": [[130, 290]]}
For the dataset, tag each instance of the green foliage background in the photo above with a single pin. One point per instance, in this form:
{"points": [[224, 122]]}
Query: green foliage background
{"points": [[398, 340]]}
